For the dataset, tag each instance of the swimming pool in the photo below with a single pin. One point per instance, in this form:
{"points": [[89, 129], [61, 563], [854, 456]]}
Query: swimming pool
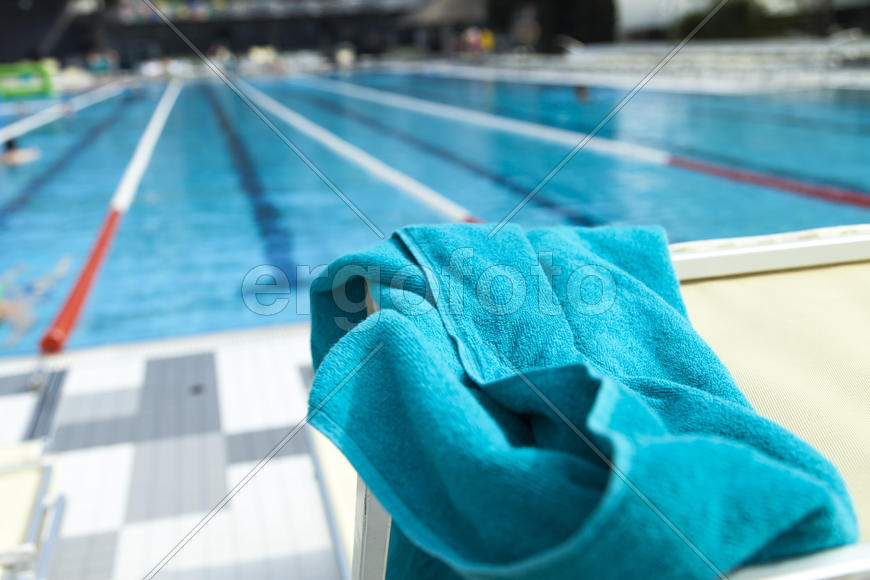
{"points": [[222, 194]]}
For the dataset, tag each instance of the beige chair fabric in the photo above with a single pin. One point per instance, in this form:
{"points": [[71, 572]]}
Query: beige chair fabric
{"points": [[798, 344], [339, 479], [28, 452], [21, 477], [19, 493]]}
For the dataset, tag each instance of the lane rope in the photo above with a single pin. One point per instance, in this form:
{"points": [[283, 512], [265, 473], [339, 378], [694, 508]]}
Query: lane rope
{"points": [[57, 334], [58, 110], [495, 122], [357, 156], [598, 144]]}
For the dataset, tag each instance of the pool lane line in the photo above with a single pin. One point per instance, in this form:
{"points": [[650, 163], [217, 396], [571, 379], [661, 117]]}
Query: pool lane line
{"points": [[275, 238], [717, 112], [828, 192], [447, 155], [71, 154], [57, 334], [490, 121], [354, 154], [597, 144], [718, 164], [56, 111], [18, 108], [724, 160]]}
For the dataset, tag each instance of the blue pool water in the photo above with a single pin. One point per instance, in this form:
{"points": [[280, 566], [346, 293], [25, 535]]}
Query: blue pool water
{"points": [[222, 194]]}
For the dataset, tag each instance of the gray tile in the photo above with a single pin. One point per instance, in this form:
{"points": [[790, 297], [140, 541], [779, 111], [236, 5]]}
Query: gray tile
{"points": [[105, 432], [254, 445], [49, 397], [13, 384], [179, 397], [84, 557], [175, 476], [87, 408]]}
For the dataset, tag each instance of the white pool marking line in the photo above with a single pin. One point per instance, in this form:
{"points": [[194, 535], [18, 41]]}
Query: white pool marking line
{"points": [[355, 155], [15, 108], [495, 122], [597, 144], [62, 326], [126, 190], [58, 110]]}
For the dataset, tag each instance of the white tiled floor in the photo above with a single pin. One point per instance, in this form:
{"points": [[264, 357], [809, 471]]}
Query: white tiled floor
{"points": [[110, 374], [16, 412], [95, 482], [148, 431], [270, 518], [272, 371]]}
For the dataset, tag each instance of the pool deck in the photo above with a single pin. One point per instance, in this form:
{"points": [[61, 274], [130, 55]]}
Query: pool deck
{"points": [[148, 437], [701, 66]]}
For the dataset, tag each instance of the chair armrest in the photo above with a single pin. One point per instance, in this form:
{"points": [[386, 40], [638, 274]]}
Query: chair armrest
{"points": [[49, 539], [839, 563]]}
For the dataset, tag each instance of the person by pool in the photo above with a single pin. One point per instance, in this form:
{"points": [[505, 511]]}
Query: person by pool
{"points": [[12, 155], [18, 302]]}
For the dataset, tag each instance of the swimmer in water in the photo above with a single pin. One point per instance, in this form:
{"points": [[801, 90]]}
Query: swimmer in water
{"points": [[17, 302], [581, 93], [12, 155]]}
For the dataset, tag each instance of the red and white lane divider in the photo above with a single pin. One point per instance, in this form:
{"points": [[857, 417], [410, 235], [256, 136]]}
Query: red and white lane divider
{"points": [[354, 154], [494, 122], [58, 110], [57, 334], [598, 144], [774, 181]]}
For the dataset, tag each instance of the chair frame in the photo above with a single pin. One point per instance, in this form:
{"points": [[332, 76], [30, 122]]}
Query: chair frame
{"points": [[692, 261], [31, 560]]}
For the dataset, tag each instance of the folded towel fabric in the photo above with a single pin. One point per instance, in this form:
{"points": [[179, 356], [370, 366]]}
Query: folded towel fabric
{"points": [[538, 405]]}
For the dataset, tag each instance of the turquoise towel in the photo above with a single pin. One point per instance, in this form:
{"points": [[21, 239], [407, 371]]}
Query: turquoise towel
{"points": [[539, 406]]}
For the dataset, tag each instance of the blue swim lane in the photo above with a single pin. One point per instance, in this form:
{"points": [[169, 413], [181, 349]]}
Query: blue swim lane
{"points": [[445, 154], [65, 160], [276, 239]]}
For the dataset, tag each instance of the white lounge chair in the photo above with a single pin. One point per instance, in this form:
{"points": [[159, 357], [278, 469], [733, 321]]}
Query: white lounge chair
{"points": [[789, 314], [29, 524]]}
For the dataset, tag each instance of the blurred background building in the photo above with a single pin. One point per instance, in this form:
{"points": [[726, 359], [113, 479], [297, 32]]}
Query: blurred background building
{"points": [[69, 29], [146, 208]]}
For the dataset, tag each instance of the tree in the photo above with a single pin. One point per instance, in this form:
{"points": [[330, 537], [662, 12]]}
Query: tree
{"points": [[737, 19], [586, 20]]}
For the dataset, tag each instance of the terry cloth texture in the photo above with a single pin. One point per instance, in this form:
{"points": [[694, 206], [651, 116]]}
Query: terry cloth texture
{"points": [[538, 405]]}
